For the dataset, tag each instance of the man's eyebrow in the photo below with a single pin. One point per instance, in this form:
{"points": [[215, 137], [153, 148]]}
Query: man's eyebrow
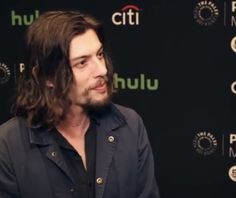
{"points": [[79, 57], [85, 56]]}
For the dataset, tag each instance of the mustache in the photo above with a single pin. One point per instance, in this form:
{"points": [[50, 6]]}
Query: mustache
{"points": [[101, 81]]}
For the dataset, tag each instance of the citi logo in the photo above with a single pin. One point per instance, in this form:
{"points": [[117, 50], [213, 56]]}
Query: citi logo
{"points": [[25, 19], [140, 83], [129, 15]]}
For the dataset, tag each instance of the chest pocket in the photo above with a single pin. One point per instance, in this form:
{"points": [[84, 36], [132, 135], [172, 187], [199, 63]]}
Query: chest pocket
{"points": [[59, 177]]}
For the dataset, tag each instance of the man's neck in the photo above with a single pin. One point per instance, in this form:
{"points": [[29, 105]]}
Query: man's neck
{"points": [[75, 124]]}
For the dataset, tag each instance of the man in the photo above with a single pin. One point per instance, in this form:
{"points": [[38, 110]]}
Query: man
{"points": [[67, 138]]}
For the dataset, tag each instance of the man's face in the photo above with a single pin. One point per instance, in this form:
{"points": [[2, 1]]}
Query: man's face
{"points": [[89, 88]]}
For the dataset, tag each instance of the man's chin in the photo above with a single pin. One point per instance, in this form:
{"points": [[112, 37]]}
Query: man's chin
{"points": [[96, 104]]}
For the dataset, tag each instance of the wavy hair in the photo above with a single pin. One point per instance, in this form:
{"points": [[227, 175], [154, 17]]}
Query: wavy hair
{"points": [[47, 59]]}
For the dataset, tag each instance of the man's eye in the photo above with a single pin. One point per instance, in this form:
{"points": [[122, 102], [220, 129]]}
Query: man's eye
{"points": [[81, 64], [100, 55]]}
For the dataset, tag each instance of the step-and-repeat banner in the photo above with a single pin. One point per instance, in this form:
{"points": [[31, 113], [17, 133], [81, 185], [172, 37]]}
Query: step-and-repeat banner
{"points": [[175, 64]]}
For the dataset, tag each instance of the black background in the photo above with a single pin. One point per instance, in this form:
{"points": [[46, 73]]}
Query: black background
{"points": [[194, 65]]}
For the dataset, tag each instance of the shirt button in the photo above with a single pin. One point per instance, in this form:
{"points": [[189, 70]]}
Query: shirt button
{"points": [[53, 153], [111, 139], [72, 190], [99, 180]]}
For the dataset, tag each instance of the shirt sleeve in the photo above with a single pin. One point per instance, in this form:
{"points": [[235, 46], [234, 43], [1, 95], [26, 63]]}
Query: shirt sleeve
{"points": [[147, 185], [8, 183]]}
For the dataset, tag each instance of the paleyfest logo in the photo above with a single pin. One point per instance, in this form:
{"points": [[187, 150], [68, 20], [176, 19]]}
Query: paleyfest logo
{"points": [[5, 73], [206, 13], [230, 14], [129, 15], [233, 87], [204, 143], [232, 173], [233, 44]]}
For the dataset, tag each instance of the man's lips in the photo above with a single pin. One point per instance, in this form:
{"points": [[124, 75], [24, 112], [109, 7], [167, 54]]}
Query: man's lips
{"points": [[101, 85]]}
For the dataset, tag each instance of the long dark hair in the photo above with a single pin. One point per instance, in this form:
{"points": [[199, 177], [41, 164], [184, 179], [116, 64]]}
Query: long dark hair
{"points": [[47, 59]]}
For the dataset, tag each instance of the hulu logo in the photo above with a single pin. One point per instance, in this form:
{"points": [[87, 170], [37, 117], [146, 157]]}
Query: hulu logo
{"points": [[141, 83], [17, 19]]}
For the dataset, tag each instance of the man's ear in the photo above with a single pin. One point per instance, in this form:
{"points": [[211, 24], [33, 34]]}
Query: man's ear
{"points": [[49, 84], [34, 73]]}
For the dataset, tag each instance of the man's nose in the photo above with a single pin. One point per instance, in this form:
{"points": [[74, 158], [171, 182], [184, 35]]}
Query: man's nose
{"points": [[100, 67]]}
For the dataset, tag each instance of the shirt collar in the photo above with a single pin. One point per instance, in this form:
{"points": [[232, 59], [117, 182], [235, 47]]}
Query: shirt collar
{"points": [[109, 117]]}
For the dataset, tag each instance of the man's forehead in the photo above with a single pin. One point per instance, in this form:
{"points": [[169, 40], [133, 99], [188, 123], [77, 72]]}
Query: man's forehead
{"points": [[85, 44]]}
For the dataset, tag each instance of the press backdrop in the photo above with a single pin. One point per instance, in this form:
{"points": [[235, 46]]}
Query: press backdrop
{"points": [[175, 64]]}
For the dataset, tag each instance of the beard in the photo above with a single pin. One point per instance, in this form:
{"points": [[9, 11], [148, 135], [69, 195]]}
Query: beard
{"points": [[92, 104]]}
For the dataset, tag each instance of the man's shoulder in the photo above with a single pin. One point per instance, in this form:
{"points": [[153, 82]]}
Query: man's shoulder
{"points": [[12, 126], [130, 115], [125, 111]]}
